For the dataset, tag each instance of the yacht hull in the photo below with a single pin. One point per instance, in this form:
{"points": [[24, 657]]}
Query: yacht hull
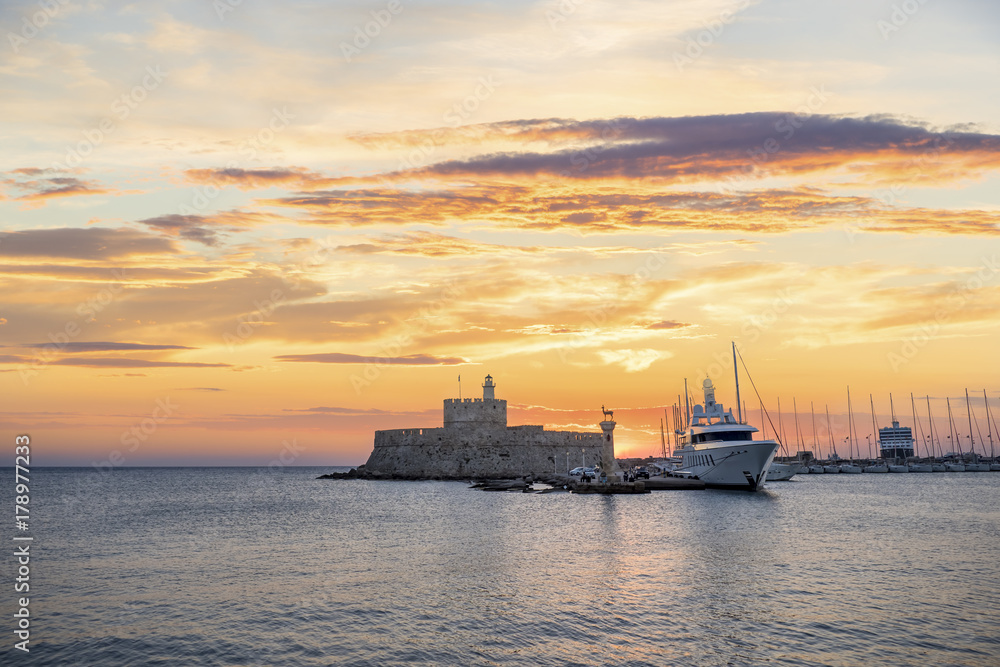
{"points": [[730, 465]]}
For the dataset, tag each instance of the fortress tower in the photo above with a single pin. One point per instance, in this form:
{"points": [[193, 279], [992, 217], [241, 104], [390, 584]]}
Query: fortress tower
{"points": [[486, 411]]}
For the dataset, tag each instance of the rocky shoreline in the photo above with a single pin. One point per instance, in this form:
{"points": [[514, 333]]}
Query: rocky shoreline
{"points": [[550, 483]]}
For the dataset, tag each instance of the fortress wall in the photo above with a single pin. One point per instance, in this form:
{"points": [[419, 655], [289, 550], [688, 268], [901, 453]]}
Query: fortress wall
{"points": [[462, 412], [480, 451]]}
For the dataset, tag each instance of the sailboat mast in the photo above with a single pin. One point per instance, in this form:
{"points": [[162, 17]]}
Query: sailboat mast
{"points": [[687, 405], [989, 426], [736, 372], [829, 431], [663, 438], [850, 424], [951, 427], [968, 408], [812, 411], [798, 433], [763, 422], [916, 425], [874, 427], [781, 429], [930, 423]]}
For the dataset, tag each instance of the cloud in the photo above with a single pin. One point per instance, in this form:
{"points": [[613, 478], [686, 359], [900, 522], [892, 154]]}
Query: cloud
{"points": [[408, 360], [112, 362], [92, 243], [632, 361], [667, 324], [40, 190], [99, 346]]}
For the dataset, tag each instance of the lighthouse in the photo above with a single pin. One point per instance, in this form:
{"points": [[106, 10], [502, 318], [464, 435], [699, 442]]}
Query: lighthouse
{"points": [[488, 388]]}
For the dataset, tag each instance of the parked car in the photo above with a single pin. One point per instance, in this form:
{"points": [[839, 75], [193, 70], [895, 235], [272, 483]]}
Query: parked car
{"points": [[575, 472], [589, 473], [642, 472]]}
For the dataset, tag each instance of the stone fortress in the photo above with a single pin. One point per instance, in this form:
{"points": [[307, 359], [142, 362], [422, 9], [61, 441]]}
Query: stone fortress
{"points": [[475, 442]]}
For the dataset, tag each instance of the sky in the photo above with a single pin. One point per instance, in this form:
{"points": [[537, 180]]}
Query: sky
{"points": [[248, 233]]}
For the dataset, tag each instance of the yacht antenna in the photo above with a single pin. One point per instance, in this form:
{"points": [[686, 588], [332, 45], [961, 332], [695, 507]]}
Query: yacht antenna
{"points": [[736, 372]]}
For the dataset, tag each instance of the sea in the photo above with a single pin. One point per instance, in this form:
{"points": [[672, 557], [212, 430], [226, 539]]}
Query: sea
{"points": [[265, 566]]}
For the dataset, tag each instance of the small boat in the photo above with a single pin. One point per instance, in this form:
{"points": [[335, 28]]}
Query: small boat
{"points": [[831, 469], [921, 467], [898, 468], [977, 467], [819, 470], [939, 467], [876, 467], [780, 472], [954, 466], [850, 469], [995, 467]]}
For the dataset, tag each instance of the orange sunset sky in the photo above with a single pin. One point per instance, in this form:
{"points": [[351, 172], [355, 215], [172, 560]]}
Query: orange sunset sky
{"points": [[240, 232]]}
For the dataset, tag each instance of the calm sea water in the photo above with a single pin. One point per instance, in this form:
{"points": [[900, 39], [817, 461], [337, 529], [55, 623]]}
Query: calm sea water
{"points": [[237, 566]]}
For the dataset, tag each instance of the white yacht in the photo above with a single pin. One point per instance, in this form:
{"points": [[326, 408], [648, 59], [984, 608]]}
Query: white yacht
{"points": [[720, 450], [780, 472], [876, 467], [921, 467], [894, 467]]}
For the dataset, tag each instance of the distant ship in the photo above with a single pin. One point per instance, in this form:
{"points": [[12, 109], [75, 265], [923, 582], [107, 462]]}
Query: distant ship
{"points": [[720, 450]]}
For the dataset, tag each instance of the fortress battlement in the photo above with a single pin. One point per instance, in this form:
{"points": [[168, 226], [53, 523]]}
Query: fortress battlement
{"points": [[475, 441]]}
